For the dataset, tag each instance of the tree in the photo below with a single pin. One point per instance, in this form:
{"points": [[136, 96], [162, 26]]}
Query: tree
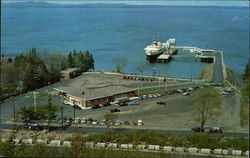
{"points": [[10, 60], [50, 111], [207, 105], [245, 96], [70, 60], [110, 116], [120, 63], [246, 73], [29, 114]]}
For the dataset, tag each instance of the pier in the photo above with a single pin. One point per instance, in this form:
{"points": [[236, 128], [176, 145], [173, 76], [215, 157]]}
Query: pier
{"points": [[205, 55]]}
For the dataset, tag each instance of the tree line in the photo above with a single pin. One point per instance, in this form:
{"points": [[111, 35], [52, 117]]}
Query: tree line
{"points": [[245, 96], [82, 60], [32, 70]]}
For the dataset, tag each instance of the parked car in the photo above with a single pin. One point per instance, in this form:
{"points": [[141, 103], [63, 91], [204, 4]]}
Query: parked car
{"points": [[215, 130], [77, 120], [179, 90], [115, 110], [186, 93], [117, 123], [134, 123], [144, 97], [133, 103], [89, 121], [197, 129], [95, 122], [111, 123], [102, 122], [161, 102], [228, 89], [140, 123], [123, 104], [150, 96], [158, 94], [155, 95], [124, 122], [224, 93], [83, 120], [190, 88], [32, 126], [96, 107]]}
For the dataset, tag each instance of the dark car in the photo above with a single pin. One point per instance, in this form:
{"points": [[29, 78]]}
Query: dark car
{"points": [[197, 129], [115, 110], [96, 107], [161, 102], [215, 130], [32, 126]]}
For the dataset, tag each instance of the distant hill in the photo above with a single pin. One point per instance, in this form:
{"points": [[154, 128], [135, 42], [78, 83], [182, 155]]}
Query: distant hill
{"points": [[92, 5], [53, 5]]}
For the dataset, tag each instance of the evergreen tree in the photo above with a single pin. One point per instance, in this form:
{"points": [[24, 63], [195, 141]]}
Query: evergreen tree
{"points": [[51, 111], [10, 61], [70, 60]]}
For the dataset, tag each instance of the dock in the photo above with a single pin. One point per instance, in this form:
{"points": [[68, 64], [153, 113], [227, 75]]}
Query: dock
{"points": [[205, 55]]}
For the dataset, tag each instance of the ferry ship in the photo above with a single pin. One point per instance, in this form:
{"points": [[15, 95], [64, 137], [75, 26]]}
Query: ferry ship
{"points": [[155, 49]]}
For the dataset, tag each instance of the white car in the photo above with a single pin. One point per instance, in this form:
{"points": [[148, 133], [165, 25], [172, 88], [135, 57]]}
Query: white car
{"points": [[83, 120], [155, 95], [158, 94], [224, 93], [94, 123], [150, 96], [77, 120], [190, 88], [186, 93], [180, 90]]}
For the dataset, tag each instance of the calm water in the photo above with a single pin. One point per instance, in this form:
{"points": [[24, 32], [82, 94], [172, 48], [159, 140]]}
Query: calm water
{"points": [[110, 32]]}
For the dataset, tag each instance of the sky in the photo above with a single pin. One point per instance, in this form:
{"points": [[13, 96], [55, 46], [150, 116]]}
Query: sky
{"points": [[149, 2]]}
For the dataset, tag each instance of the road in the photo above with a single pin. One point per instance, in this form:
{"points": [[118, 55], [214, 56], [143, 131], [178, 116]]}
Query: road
{"points": [[97, 129], [217, 67]]}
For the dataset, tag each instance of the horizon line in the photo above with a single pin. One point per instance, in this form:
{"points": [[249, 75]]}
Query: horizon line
{"points": [[142, 2]]}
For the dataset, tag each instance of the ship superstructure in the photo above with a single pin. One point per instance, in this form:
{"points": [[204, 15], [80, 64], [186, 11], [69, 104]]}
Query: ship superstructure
{"points": [[155, 49]]}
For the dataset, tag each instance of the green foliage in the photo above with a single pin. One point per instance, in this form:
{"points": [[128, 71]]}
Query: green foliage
{"points": [[245, 96], [30, 114], [79, 150], [82, 60], [246, 73], [70, 60], [207, 105]]}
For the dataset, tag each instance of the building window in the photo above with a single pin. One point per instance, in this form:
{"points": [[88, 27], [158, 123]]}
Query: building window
{"points": [[75, 101]]}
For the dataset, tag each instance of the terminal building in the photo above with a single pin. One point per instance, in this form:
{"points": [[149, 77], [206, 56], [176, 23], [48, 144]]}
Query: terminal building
{"points": [[86, 98], [86, 95]]}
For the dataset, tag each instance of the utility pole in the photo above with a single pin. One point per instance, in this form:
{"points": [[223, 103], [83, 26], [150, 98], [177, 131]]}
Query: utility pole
{"points": [[14, 107], [62, 116], [34, 99]]}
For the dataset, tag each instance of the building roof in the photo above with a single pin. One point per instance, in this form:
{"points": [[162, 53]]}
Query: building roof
{"points": [[69, 70], [93, 93], [88, 88]]}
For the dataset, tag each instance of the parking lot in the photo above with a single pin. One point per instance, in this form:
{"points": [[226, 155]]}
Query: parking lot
{"points": [[174, 114]]}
